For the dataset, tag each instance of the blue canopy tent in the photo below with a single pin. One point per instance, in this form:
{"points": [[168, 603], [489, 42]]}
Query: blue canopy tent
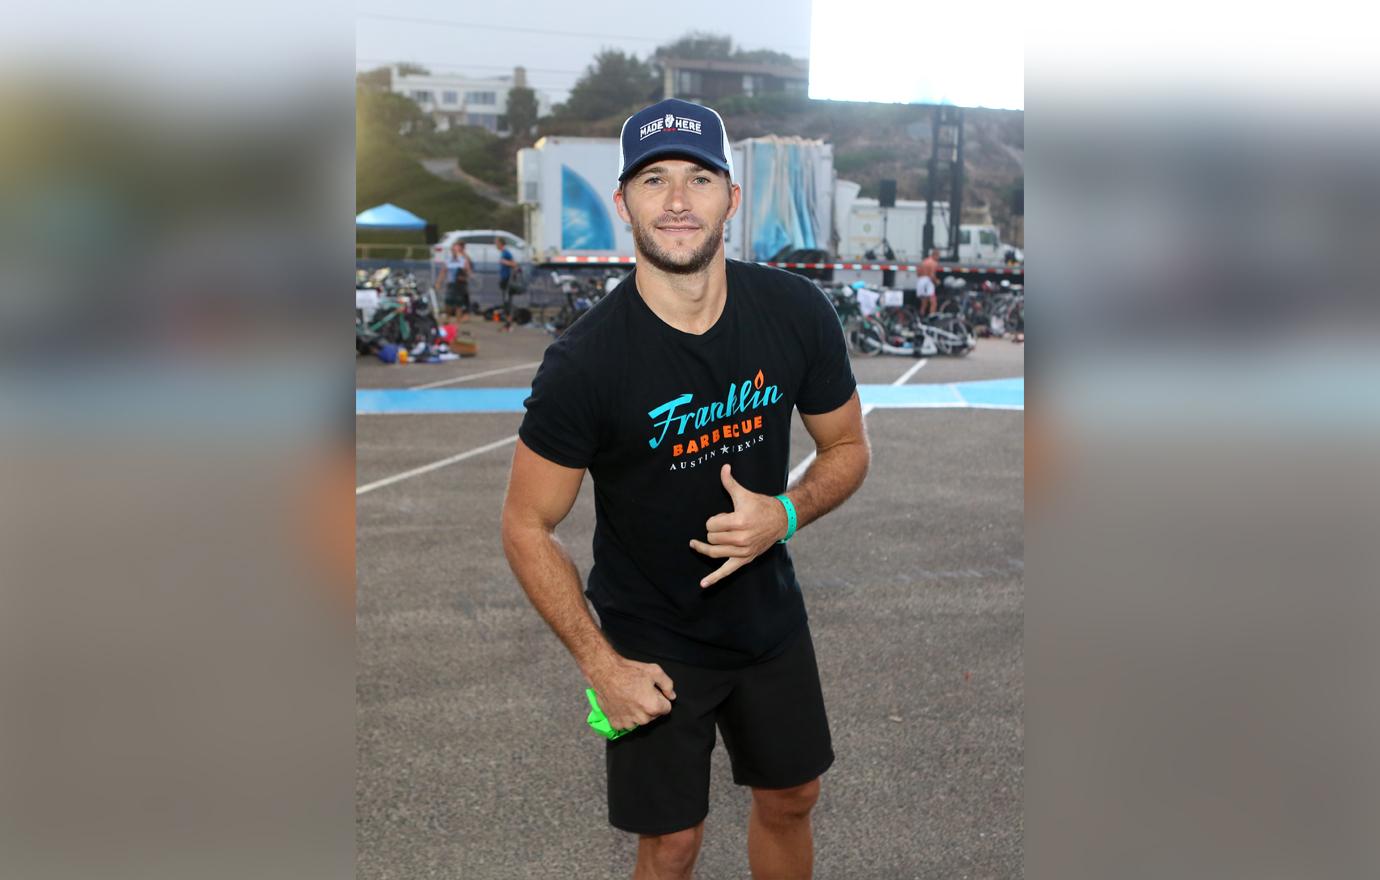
{"points": [[388, 216]]}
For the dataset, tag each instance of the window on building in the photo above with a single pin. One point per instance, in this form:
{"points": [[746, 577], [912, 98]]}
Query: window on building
{"points": [[689, 82], [749, 85], [483, 120], [987, 236], [451, 98], [483, 98], [421, 96]]}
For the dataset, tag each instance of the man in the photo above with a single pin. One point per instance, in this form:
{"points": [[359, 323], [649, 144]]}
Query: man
{"points": [[675, 391], [506, 265], [924, 283], [458, 273]]}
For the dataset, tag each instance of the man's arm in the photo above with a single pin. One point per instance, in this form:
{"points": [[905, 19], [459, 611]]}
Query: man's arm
{"points": [[842, 456], [540, 494]]}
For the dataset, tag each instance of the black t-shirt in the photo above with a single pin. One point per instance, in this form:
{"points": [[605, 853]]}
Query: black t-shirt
{"points": [[654, 414]]}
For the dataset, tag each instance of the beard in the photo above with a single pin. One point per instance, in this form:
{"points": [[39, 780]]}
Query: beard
{"points": [[678, 264]]}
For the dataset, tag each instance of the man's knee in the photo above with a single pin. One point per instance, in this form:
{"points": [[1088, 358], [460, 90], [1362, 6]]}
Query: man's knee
{"points": [[786, 805], [673, 854]]}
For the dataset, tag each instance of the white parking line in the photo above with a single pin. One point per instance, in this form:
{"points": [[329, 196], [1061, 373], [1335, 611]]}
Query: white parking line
{"points": [[435, 465], [459, 379], [799, 470]]}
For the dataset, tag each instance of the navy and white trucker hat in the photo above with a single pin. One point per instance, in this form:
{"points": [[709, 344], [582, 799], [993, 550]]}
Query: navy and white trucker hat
{"points": [[674, 128]]}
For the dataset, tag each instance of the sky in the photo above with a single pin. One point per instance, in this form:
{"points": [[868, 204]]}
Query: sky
{"points": [[554, 44]]}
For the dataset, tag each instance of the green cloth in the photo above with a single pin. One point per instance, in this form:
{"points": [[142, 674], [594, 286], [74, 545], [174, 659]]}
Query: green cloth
{"points": [[599, 722]]}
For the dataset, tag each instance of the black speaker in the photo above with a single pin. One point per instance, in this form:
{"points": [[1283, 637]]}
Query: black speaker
{"points": [[886, 193], [432, 235]]}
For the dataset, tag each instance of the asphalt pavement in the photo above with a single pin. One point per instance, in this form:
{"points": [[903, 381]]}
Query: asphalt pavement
{"points": [[473, 760]]}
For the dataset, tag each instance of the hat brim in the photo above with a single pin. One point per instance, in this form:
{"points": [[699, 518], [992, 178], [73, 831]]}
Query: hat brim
{"points": [[701, 156]]}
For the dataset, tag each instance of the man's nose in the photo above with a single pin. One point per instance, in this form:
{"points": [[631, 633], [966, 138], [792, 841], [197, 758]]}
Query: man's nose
{"points": [[675, 196]]}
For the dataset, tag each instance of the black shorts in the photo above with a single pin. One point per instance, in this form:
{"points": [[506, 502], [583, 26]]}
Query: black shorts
{"points": [[772, 719], [458, 294]]}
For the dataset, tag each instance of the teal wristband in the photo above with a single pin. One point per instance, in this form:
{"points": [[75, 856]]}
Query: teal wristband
{"points": [[790, 517]]}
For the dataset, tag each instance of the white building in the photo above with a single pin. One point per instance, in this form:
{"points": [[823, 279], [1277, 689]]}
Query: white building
{"points": [[452, 99]]}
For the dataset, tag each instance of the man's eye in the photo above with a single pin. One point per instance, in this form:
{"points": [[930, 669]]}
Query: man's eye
{"points": [[702, 180], [651, 180]]}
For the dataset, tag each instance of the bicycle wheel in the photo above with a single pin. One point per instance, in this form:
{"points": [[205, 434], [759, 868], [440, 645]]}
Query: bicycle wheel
{"points": [[564, 318], [868, 337], [391, 330], [954, 338], [423, 329], [850, 333]]}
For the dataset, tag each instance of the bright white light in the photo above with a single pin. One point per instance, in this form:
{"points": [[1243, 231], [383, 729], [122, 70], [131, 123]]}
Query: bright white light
{"points": [[965, 54]]}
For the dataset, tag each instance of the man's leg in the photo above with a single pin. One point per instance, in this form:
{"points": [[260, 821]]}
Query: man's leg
{"points": [[777, 734], [668, 856], [780, 845]]}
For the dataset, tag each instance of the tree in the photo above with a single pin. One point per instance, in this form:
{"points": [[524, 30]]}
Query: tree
{"points": [[698, 46], [384, 116], [614, 83], [380, 79], [522, 112]]}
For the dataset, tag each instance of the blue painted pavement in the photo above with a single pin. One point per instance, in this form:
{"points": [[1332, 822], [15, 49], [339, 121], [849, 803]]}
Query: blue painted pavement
{"points": [[992, 394]]}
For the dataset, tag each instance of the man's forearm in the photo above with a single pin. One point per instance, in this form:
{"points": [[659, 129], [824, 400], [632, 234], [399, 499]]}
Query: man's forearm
{"points": [[552, 583], [834, 475]]}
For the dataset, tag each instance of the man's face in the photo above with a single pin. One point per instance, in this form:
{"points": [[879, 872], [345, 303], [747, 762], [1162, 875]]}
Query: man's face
{"points": [[677, 210]]}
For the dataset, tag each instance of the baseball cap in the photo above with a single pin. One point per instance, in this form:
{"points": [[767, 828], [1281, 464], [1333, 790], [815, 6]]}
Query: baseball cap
{"points": [[673, 128]]}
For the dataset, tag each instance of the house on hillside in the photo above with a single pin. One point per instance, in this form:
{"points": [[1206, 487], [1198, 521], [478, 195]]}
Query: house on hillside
{"points": [[707, 81], [452, 99]]}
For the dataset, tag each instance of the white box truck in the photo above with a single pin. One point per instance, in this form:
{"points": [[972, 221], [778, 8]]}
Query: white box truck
{"points": [[567, 185]]}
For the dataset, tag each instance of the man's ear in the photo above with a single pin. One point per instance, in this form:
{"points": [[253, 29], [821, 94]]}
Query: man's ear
{"points": [[735, 197], [620, 207]]}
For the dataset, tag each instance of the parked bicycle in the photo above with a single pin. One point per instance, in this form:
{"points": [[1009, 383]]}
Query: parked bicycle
{"points": [[864, 334], [899, 329], [406, 315], [580, 293]]}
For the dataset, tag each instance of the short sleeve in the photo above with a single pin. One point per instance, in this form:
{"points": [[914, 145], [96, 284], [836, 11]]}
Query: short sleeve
{"points": [[829, 381], [561, 423]]}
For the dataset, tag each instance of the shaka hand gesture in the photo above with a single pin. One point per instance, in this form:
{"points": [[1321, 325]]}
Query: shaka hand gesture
{"points": [[756, 523]]}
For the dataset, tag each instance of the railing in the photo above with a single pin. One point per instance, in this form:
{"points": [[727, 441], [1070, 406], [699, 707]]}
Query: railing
{"points": [[392, 251]]}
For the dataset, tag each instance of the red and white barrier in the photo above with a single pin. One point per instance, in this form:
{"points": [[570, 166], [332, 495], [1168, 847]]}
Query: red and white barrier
{"points": [[872, 267]]}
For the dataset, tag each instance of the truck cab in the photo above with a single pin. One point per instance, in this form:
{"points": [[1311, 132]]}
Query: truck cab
{"points": [[983, 244]]}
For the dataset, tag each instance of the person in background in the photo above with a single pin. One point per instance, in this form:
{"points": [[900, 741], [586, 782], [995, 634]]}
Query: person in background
{"points": [[458, 272], [506, 266], [924, 283]]}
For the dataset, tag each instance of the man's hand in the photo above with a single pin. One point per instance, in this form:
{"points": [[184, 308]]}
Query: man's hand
{"points": [[756, 523], [632, 693]]}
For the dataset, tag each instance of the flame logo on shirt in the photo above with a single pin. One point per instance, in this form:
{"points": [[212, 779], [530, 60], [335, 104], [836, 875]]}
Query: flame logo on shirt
{"points": [[758, 380]]}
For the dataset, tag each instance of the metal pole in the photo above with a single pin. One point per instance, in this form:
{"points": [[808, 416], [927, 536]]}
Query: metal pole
{"points": [[956, 200], [931, 185]]}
